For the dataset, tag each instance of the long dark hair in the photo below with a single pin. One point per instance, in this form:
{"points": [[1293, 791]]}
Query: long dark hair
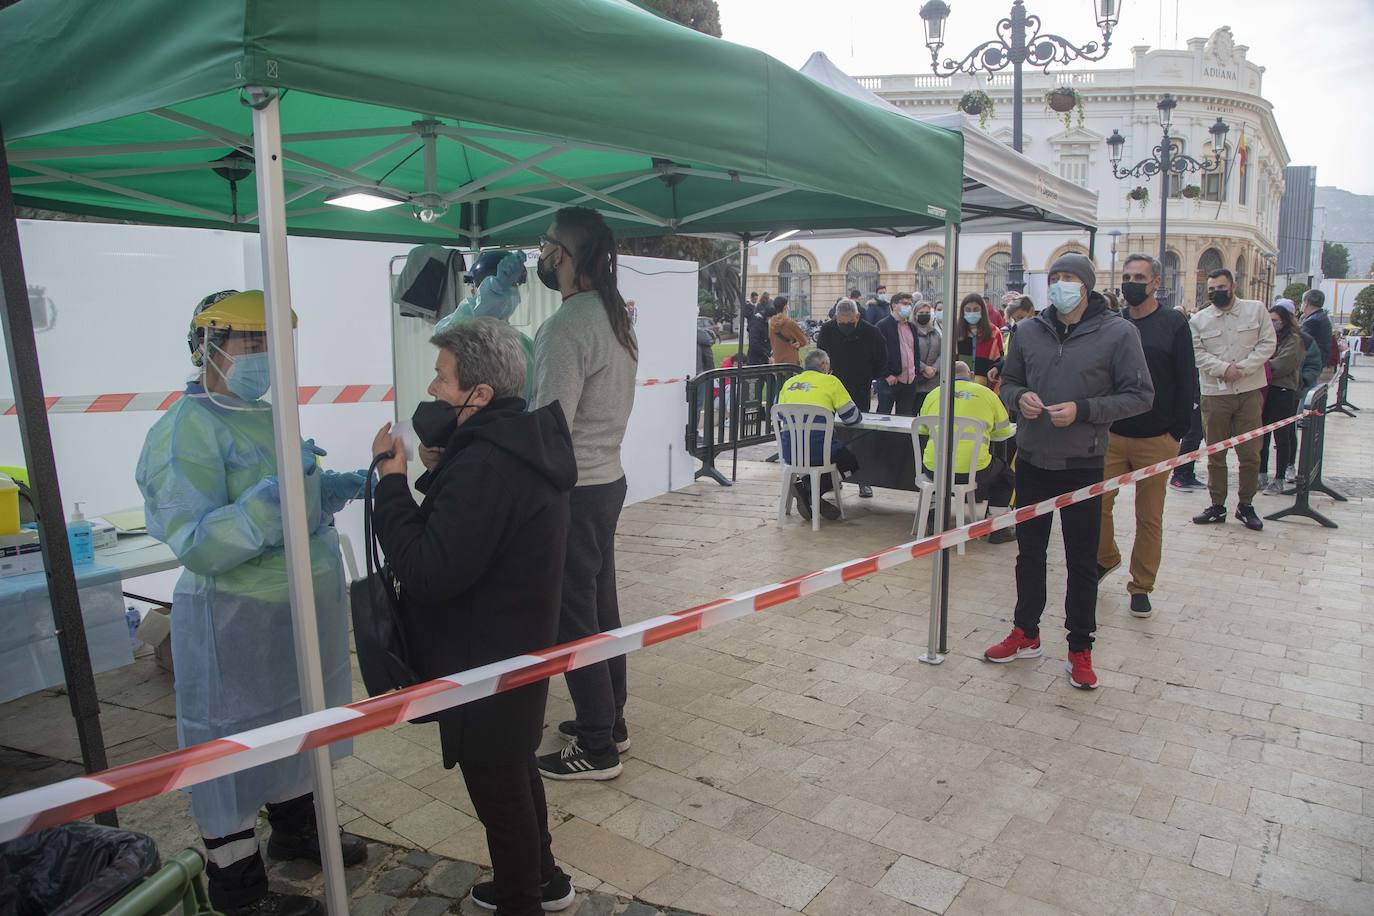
{"points": [[592, 245], [983, 327], [1287, 319]]}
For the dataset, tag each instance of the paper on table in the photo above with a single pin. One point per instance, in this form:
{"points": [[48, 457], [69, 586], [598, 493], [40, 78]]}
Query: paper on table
{"points": [[130, 522]]}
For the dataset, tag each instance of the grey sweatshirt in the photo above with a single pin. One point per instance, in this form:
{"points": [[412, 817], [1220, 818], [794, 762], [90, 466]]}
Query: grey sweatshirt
{"points": [[579, 363], [1099, 365]]}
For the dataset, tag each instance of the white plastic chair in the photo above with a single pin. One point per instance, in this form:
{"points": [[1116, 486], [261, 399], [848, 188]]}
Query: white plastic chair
{"points": [[966, 429], [797, 458]]}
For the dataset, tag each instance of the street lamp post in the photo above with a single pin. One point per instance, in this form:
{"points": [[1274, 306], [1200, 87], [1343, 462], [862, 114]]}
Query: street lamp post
{"points": [[1165, 162], [1115, 234], [1018, 42]]}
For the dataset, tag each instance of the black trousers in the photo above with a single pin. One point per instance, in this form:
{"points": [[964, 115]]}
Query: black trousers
{"points": [[1190, 441], [242, 879], [903, 400], [510, 803], [844, 462], [992, 485], [1279, 404], [590, 606], [1082, 524]]}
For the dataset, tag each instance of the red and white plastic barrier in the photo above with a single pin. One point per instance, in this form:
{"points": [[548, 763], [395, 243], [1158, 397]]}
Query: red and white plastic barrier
{"points": [[37, 809], [313, 395]]}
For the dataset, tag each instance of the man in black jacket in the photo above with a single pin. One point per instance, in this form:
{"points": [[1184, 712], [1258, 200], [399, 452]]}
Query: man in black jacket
{"points": [[1151, 437], [857, 357], [760, 347], [480, 563], [1317, 323]]}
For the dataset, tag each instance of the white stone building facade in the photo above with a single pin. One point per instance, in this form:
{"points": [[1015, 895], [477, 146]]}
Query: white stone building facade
{"points": [[1232, 222]]}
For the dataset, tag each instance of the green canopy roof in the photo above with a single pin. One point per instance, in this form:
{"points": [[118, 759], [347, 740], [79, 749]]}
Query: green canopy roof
{"points": [[491, 114]]}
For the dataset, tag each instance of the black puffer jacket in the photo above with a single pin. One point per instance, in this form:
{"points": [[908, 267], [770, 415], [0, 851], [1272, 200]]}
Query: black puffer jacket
{"points": [[480, 564]]}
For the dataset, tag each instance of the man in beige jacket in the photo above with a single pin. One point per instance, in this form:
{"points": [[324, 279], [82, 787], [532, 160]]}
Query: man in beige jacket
{"points": [[1232, 338]]}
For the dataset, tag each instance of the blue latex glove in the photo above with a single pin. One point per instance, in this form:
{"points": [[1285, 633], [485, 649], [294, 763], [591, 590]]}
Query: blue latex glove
{"points": [[339, 489], [310, 456]]}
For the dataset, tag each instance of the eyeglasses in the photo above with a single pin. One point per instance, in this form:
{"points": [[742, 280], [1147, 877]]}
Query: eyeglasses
{"points": [[550, 240]]}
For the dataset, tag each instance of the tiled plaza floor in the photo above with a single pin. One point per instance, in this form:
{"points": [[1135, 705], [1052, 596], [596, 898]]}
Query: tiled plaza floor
{"points": [[804, 760]]}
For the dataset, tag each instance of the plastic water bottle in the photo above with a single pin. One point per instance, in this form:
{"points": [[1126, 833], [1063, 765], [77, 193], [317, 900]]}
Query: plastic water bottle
{"points": [[132, 619]]}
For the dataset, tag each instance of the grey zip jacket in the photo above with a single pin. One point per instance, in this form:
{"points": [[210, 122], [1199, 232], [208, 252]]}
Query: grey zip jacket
{"points": [[1099, 365]]}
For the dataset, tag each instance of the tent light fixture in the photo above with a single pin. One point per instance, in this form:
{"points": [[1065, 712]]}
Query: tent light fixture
{"points": [[364, 198], [784, 235]]}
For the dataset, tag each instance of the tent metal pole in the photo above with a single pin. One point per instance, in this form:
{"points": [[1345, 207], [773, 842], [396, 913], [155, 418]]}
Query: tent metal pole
{"points": [[737, 389], [286, 424], [944, 465], [21, 346]]}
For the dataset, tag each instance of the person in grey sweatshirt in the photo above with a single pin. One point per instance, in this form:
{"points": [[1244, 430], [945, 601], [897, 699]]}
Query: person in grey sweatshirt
{"points": [[1071, 372], [586, 358]]}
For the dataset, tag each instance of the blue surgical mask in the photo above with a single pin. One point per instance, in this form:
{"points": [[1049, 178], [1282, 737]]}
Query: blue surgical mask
{"points": [[1065, 296], [904, 311], [249, 376], [973, 317]]}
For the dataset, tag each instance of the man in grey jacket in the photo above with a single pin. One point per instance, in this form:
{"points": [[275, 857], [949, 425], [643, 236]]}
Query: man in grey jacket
{"points": [[1072, 371]]}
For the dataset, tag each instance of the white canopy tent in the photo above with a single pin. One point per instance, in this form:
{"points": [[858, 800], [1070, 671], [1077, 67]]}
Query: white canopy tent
{"points": [[1004, 191]]}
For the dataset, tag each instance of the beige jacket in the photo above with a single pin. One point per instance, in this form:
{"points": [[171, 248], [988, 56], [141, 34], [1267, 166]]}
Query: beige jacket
{"points": [[1241, 334]]}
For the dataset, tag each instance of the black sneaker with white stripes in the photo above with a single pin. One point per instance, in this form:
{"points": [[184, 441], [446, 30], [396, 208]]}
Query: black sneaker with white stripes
{"points": [[620, 733], [575, 762], [557, 894]]}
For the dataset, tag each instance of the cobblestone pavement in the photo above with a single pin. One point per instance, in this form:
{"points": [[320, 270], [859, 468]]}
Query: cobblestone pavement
{"points": [[804, 760]]}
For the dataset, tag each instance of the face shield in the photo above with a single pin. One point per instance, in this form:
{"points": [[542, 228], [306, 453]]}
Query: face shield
{"points": [[237, 374]]}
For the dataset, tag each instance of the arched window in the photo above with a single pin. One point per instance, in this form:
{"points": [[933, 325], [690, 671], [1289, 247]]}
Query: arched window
{"points": [[1242, 291], [861, 273], [1210, 261], [794, 282], [930, 276], [995, 276], [1172, 288]]}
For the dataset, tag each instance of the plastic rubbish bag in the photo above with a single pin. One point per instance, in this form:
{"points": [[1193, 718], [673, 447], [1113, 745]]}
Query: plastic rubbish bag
{"points": [[72, 870]]}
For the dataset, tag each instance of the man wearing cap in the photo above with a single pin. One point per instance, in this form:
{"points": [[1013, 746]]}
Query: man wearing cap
{"points": [[1232, 339], [1073, 371]]}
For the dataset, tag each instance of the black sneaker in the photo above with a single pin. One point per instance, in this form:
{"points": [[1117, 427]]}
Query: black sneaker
{"points": [[865, 491], [574, 762], [829, 511], [1140, 606], [1212, 515], [1245, 513], [283, 845], [1003, 535], [274, 904], [557, 892], [620, 733], [803, 500], [1105, 571]]}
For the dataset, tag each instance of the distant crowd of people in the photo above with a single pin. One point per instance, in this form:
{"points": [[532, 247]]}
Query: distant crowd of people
{"points": [[1097, 384]]}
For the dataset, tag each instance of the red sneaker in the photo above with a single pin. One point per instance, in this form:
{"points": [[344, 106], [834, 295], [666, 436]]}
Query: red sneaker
{"points": [[1013, 647], [1080, 668]]}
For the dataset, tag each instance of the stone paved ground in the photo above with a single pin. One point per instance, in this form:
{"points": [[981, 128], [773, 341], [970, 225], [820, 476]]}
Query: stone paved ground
{"points": [[803, 759]]}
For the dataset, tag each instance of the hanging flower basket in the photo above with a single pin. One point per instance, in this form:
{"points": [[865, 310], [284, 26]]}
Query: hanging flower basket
{"points": [[1065, 101], [1192, 191], [1140, 195], [977, 102]]}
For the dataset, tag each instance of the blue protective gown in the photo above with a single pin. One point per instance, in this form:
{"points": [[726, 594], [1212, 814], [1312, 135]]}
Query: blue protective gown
{"points": [[208, 478]]}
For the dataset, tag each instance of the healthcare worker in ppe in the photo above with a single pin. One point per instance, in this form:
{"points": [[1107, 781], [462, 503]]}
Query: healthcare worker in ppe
{"points": [[208, 474], [494, 279]]}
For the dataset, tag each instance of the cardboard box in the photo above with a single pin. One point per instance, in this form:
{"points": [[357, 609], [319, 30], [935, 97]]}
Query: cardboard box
{"points": [[156, 630], [20, 554]]}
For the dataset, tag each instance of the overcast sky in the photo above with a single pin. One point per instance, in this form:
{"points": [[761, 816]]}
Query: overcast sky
{"points": [[1312, 68]]}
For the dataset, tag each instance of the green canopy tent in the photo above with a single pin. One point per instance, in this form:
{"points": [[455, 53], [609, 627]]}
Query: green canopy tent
{"points": [[475, 120]]}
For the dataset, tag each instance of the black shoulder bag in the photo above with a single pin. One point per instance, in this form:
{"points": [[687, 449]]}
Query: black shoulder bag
{"points": [[376, 604]]}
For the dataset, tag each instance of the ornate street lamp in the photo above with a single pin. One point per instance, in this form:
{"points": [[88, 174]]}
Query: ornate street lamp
{"points": [[1165, 162], [1019, 42]]}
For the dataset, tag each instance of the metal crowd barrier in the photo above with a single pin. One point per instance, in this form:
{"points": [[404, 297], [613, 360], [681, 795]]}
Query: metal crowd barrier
{"points": [[728, 409], [1309, 477], [176, 885], [1342, 381]]}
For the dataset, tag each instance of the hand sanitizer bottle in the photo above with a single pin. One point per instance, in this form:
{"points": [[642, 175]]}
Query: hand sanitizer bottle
{"points": [[79, 539]]}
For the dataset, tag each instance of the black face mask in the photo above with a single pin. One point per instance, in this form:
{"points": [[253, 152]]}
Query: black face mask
{"points": [[1134, 293], [1220, 297], [923, 318], [847, 329], [547, 275], [436, 421]]}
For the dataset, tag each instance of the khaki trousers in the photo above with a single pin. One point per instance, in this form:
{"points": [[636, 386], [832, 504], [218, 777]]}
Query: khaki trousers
{"points": [[1127, 454], [1224, 416]]}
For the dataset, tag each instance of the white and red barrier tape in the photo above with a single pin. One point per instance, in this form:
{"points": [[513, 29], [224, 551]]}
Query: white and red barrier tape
{"points": [[37, 809], [312, 395]]}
